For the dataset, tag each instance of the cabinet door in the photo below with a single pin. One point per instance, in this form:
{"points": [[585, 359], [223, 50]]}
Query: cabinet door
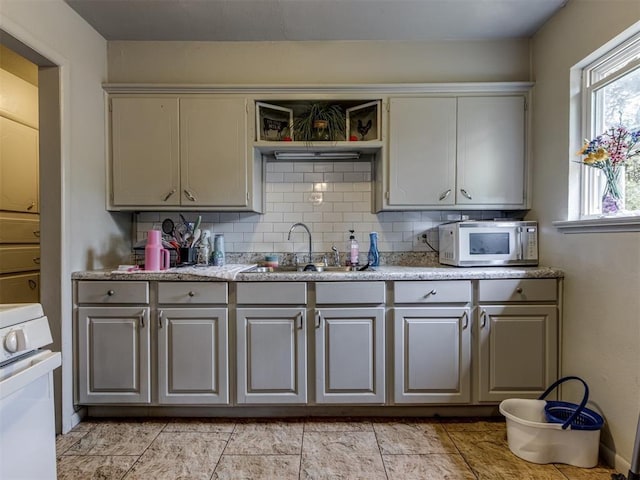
{"points": [[422, 151], [350, 355], [432, 355], [113, 355], [145, 152], [491, 151], [271, 355], [213, 152], [18, 167], [518, 351], [192, 356]]}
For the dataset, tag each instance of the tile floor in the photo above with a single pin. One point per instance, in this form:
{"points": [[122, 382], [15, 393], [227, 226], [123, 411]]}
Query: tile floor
{"points": [[209, 448]]}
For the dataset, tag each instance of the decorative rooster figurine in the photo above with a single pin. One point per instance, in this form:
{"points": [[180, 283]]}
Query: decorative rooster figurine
{"points": [[363, 129]]}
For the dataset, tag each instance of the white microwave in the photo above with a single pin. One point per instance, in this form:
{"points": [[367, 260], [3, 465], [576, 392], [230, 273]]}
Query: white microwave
{"points": [[475, 243]]}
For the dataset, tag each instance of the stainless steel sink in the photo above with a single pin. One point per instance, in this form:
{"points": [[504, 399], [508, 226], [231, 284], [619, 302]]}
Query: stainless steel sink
{"points": [[302, 269]]}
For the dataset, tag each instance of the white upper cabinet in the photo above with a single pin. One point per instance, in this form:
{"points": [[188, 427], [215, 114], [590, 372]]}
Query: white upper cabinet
{"points": [[145, 152], [456, 152], [171, 151], [422, 150], [491, 151]]}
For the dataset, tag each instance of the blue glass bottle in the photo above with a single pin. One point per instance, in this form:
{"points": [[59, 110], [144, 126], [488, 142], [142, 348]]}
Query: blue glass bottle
{"points": [[374, 256]]}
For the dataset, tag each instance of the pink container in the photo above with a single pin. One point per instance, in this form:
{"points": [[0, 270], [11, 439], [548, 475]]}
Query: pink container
{"points": [[155, 257]]}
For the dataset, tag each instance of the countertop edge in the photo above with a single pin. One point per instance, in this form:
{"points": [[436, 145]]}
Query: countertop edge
{"points": [[390, 273]]}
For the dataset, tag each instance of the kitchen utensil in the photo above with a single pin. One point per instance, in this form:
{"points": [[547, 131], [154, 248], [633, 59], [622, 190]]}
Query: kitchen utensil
{"points": [[168, 226], [197, 224], [185, 223], [195, 238]]}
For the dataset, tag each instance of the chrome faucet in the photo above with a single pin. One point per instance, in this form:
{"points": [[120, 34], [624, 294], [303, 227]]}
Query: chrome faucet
{"points": [[308, 231], [336, 255]]}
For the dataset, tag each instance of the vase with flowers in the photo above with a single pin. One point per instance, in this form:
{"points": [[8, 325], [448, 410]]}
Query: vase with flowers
{"points": [[610, 152]]}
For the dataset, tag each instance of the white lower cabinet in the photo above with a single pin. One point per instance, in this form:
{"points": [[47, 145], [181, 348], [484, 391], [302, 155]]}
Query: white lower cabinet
{"points": [[517, 351], [350, 342], [517, 354], [192, 356], [432, 355], [271, 355], [350, 355], [113, 355]]}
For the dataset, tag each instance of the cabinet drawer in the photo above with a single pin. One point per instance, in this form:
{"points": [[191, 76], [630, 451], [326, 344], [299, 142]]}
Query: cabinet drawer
{"points": [[272, 293], [113, 292], [19, 228], [21, 288], [349, 292], [192, 292], [458, 291], [517, 290], [19, 259]]}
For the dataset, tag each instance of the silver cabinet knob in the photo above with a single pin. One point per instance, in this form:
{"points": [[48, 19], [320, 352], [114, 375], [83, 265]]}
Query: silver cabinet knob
{"points": [[111, 293], [519, 290], [191, 294]]}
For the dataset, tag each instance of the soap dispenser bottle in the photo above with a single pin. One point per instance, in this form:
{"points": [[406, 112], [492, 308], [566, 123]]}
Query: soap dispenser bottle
{"points": [[354, 249]]}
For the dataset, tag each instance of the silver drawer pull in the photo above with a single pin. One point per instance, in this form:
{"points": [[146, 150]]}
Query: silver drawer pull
{"points": [[465, 193], [299, 320], [189, 195], [519, 290], [141, 319], [31, 205], [191, 294], [36, 233], [465, 319], [318, 318], [32, 284], [160, 313], [36, 260], [166, 197], [111, 293], [444, 194], [432, 292], [483, 319]]}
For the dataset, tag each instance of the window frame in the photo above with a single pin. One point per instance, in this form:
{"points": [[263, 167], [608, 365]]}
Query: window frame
{"points": [[593, 76], [603, 71]]}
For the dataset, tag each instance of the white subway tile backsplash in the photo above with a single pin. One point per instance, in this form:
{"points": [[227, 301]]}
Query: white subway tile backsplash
{"points": [[275, 177], [331, 198]]}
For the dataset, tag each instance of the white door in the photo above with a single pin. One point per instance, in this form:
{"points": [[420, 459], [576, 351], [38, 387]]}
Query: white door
{"points": [[145, 151], [432, 355], [272, 366], [422, 151], [113, 355], [491, 151], [192, 356], [518, 351], [350, 355], [213, 152]]}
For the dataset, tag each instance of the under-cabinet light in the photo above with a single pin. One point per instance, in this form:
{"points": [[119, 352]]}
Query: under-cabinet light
{"points": [[311, 155]]}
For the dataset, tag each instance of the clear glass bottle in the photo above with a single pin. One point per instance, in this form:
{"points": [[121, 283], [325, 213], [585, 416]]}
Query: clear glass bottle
{"points": [[204, 249], [374, 255]]}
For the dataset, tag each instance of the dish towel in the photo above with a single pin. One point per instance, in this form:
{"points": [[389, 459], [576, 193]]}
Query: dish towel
{"points": [[226, 272]]}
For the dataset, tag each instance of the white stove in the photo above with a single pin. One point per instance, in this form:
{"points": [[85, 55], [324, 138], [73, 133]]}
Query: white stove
{"points": [[27, 419]]}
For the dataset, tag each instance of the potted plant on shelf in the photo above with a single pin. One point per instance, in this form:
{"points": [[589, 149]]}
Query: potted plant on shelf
{"points": [[320, 121]]}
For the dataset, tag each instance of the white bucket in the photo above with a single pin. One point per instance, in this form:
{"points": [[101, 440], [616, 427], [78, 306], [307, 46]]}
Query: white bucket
{"points": [[531, 438]]}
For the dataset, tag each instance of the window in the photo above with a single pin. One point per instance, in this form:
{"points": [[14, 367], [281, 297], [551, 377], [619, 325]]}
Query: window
{"points": [[611, 96]]}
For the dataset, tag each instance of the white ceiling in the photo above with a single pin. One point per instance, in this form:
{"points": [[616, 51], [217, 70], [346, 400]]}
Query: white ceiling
{"points": [[278, 20]]}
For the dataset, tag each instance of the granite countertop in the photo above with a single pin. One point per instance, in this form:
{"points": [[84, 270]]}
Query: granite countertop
{"points": [[380, 273]]}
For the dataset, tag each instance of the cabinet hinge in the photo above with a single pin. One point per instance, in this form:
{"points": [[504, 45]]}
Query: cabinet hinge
{"points": [[387, 106], [386, 195], [526, 105], [248, 197], [110, 105]]}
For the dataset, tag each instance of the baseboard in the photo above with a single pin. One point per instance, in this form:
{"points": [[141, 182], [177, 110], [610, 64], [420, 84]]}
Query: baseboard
{"points": [[613, 459]]}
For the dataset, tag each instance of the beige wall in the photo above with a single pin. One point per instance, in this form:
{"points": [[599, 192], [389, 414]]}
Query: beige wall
{"points": [[601, 331], [318, 62], [74, 188]]}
